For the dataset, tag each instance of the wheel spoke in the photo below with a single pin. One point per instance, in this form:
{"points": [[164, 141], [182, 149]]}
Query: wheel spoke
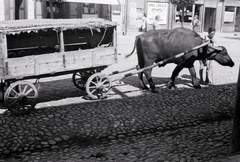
{"points": [[29, 91], [78, 79], [14, 102], [92, 87], [11, 97], [25, 88], [19, 88], [78, 74], [101, 78], [18, 106], [13, 90], [97, 78], [93, 83], [104, 81], [93, 91]]}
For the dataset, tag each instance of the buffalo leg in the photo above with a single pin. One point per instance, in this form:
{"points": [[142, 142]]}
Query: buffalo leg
{"points": [[194, 77], [140, 79], [141, 82], [175, 73], [150, 81]]}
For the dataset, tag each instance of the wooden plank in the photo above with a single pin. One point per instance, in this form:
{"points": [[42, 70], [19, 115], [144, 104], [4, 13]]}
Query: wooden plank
{"points": [[115, 43], [3, 40], [78, 59], [49, 63], [18, 67], [1, 55], [61, 42], [104, 56]]}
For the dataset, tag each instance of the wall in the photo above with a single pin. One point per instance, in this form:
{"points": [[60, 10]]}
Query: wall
{"points": [[2, 15], [40, 7], [231, 26], [30, 5]]}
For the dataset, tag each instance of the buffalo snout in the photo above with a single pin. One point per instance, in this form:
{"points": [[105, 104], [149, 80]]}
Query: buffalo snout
{"points": [[231, 64]]}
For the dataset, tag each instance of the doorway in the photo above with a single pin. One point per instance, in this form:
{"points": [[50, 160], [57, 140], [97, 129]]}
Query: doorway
{"points": [[237, 20], [19, 9], [209, 18], [198, 11]]}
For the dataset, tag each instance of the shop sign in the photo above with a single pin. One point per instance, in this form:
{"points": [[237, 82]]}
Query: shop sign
{"points": [[157, 8], [228, 16]]}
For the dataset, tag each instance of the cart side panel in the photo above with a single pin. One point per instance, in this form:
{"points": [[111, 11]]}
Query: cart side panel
{"points": [[49, 63], [104, 56], [62, 62], [78, 59], [17, 68], [90, 58]]}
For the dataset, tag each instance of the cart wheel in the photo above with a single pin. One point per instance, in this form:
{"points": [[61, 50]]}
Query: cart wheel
{"points": [[20, 97], [79, 79], [98, 86]]}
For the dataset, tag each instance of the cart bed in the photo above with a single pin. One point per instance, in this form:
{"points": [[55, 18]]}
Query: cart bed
{"points": [[32, 48]]}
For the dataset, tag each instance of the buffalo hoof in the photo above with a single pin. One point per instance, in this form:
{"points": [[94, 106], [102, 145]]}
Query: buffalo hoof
{"points": [[171, 85], [144, 88], [202, 82], [197, 86], [154, 90], [207, 81]]}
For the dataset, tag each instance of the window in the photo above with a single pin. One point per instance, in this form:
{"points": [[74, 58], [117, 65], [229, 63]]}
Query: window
{"points": [[89, 8], [229, 15], [187, 14]]}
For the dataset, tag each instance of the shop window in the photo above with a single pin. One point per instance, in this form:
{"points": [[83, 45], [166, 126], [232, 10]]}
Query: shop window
{"points": [[187, 14], [229, 15], [89, 8]]}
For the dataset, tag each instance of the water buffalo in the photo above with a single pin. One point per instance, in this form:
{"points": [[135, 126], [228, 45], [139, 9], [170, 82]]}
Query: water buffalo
{"points": [[158, 45]]}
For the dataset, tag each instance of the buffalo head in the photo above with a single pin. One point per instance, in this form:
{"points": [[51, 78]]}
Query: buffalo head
{"points": [[220, 55]]}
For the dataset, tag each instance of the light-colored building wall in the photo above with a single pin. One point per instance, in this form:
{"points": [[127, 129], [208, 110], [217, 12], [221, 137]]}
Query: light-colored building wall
{"points": [[224, 15], [30, 9], [2, 15]]}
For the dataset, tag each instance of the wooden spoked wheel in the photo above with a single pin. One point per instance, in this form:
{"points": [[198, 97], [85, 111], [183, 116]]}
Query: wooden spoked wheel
{"points": [[79, 79], [98, 86], [20, 97]]}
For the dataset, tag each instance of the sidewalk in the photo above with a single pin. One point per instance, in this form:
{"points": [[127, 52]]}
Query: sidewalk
{"points": [[235, 158]]}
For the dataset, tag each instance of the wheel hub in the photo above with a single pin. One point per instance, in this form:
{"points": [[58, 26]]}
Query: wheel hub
{"points": [[22, 98], [99, 86]]}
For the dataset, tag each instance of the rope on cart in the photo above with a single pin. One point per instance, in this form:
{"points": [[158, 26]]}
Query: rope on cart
{"points": [[105, 31]]}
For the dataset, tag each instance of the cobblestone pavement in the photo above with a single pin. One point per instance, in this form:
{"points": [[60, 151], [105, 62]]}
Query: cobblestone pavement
{"points": [[185, 124]]}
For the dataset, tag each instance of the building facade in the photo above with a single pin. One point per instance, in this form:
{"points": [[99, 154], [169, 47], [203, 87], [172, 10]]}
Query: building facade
{"points": [[224, 15], [38, 9]]}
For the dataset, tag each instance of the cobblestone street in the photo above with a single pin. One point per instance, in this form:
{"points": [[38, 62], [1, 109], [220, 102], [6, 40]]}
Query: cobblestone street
{"points": [[179, 125]]}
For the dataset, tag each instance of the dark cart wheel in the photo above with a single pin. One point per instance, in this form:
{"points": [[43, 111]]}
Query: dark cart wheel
{"points": [[98, 86], [79, 79], [20, 97]]}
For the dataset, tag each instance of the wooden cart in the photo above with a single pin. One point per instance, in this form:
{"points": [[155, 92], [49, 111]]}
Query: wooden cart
{"points": [[50, 47]]}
